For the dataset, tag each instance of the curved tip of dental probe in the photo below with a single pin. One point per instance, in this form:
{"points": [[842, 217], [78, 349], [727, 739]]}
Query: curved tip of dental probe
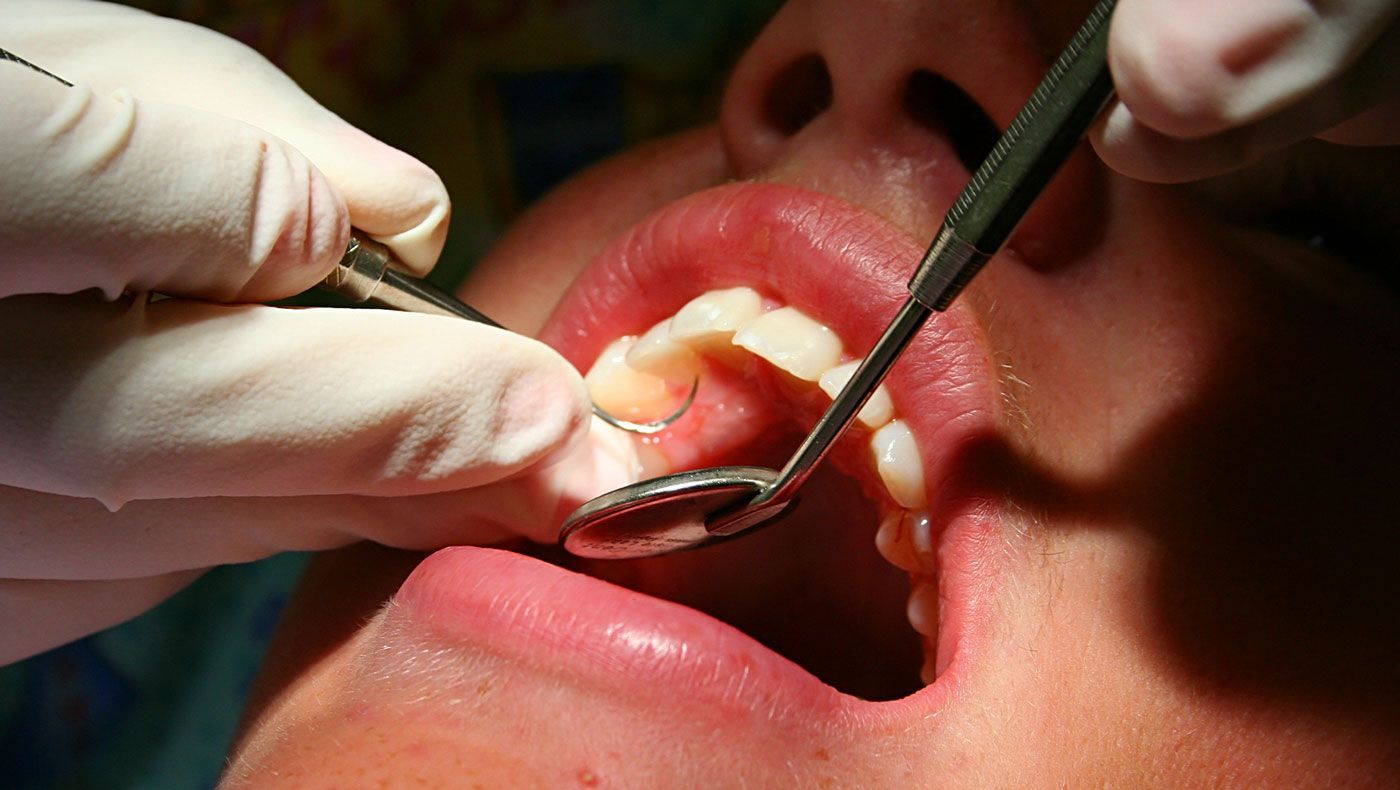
{"points": [[654, 426]]}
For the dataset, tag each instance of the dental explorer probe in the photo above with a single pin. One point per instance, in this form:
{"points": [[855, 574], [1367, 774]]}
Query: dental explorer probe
{"points": [[702, 506], [364, 274]]}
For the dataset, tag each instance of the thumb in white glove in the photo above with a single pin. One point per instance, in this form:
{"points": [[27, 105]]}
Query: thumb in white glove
{"points": [[1205, 87], [142, 442]]}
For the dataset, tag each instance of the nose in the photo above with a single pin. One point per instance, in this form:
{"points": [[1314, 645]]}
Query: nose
{"points": [[900, 76], [891, 103]]}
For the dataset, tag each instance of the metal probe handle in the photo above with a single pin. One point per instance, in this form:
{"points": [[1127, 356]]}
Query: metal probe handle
{"points": [[365, 275], [364, 268], [1024, 159], [1041, 137]]}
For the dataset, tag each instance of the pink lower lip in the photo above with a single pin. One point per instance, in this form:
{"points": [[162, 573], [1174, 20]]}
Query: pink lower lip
{"points": [[808, 250], [538, 614]]}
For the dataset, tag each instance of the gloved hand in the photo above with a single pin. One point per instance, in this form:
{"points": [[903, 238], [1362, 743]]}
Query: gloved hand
{"points": [[142, 441], [1207, 86]]}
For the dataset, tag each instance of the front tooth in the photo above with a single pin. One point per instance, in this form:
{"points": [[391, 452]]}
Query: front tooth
{"points": [[656, 353], [624, 392], [708, 322], [792, 342], [877, 411], [897, 460]]}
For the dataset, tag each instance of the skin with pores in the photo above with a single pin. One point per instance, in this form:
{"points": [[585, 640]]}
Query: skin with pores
{"points": [[1156, 445]]}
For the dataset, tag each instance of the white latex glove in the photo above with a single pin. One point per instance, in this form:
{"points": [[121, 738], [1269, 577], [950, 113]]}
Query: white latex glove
{"points": [[141, 442], [1207, 86]]}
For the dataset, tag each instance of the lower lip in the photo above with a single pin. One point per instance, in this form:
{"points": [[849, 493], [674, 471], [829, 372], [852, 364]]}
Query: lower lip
{"points": [[543, 616]]}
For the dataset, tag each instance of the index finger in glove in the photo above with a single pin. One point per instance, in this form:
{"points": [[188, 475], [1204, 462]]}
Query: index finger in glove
{"points": [[128, 400], [111, 192], [390, 195]]}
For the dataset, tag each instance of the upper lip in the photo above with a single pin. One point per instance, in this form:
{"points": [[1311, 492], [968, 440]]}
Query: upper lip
{"points": [[809, 250]]}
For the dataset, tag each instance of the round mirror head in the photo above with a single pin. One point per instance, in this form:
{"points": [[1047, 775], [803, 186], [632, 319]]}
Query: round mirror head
{"points": [[661, 515]]}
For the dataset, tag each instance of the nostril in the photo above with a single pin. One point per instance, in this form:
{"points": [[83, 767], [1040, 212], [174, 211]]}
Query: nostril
{"points": [[942, 107], [798, 93]]}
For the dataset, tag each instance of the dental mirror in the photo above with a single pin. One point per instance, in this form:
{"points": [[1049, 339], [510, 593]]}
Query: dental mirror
{"points": [[700, 507], [664, 514]]}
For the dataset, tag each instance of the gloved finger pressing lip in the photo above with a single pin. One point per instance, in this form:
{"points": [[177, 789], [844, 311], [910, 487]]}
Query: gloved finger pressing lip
{"points": [[390, 195], [1195, 68], [36, 615], [128, 400], [117, 193]]}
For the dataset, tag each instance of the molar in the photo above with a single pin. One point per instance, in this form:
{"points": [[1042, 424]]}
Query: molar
{"points": [[655, 352], [708, 322], [791, 341], [623, 391], [897, 460], [877, 411]]}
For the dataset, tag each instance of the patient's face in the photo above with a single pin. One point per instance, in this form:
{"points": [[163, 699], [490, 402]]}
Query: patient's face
{"points": [[1125, 513]]}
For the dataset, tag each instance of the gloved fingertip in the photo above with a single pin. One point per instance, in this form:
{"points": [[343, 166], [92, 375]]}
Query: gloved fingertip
{"points": [[600, 459], [1193, 68], [420, 245], [545, 408], [394, 198]]}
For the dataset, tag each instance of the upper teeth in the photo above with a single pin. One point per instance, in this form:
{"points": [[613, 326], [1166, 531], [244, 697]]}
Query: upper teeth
{"points": [[624, 391], [710, 320], [877, 411], [656, 353], [897, 460], [638, 378], [792, 342]]}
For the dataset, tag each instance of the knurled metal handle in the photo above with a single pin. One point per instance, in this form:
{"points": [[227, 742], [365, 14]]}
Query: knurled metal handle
{"points": [[1041, 137]]}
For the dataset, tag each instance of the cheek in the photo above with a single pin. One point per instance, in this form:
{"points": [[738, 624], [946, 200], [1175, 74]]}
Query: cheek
{"points": [[1097, 354]]}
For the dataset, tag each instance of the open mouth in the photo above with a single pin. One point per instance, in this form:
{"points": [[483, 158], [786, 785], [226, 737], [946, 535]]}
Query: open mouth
{"points": [[791, 289], [770, 294]]}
